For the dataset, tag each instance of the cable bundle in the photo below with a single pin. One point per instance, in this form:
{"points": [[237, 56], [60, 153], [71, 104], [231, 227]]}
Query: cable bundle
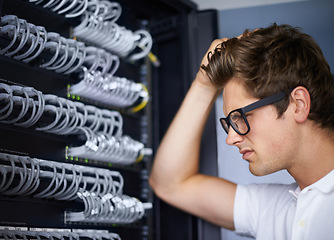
{"points": [[100, 84], [69, 8], [25, 106], [112, 90], [99, 60], [27, 42], [108, 209], [98, 27], [100, 189], [66, 56], [61, 234], [22, 176], [102, 147]]}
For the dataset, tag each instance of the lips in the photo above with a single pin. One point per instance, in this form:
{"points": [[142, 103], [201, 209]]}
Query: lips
{"points": [[246, 153]]}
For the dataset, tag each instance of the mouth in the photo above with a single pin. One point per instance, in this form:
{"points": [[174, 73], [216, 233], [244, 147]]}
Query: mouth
{"points": [[246, 154]]}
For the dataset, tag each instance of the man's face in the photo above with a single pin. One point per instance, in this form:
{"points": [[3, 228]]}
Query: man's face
{"points": [[270, 144]]}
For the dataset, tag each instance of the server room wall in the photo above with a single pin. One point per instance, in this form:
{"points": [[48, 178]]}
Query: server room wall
{"points": [[80, 119]]}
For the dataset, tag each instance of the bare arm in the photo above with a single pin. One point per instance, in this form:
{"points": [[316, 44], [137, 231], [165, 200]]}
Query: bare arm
{"points": [[175, 176]]}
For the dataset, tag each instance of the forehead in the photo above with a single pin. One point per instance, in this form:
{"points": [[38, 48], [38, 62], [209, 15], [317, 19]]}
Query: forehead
{"points": [[235, 96]]}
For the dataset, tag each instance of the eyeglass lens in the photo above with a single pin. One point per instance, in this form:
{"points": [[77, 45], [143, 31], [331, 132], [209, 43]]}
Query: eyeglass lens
{"points": [[238, 122]]}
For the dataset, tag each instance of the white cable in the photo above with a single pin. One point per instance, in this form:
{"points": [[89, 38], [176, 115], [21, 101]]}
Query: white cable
{"points": [[62, 56], [52, 45], [23, 32], [36, 40], [51, 109], [10, 30], [102, 203], [31, 176], [114, 91], [65, 117], [103, 128], [54, 182], [11, 170], [9, 107], [36, 181], [99, 27], [71, 191], [108, 209], [100, 181], [145, 44], [37, 107], [123, 150], [50, 3], [18, 100], [72, 51], [79, 10], [69, 7], [59, 5], [22, 173]]}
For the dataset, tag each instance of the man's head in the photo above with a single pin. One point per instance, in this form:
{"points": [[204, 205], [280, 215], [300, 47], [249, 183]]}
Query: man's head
{"points": [[274, 59]]}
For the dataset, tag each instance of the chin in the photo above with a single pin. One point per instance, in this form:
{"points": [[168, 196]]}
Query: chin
{"points": [[260, 171], [258, 174]]}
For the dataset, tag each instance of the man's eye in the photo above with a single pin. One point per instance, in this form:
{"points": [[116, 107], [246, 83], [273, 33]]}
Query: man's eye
{"points": [[236, 118]]}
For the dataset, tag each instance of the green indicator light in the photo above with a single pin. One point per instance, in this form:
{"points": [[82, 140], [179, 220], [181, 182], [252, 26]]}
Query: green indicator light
{"points": [[66, 157], [68, 85], [109, 164], [72, 158], [76, 159], [78, 98], [68, 95], [73, 96], [86, 160]]}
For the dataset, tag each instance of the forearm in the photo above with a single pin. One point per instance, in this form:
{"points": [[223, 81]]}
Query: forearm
{"points": [[178, 154], [174, 176]]}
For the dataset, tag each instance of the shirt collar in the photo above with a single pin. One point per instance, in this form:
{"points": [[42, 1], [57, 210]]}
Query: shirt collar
{"points": [[325, 184]]}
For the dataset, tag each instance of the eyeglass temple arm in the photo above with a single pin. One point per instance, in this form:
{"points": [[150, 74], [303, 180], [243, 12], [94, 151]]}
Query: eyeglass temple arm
{"points": [[265, 101]]}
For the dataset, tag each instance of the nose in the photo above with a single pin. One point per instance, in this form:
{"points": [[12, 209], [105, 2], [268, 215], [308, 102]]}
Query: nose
{"points": [[233, 137]]}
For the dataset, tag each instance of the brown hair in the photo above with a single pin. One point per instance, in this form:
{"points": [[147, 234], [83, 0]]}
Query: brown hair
{"points": [[275, 59]]}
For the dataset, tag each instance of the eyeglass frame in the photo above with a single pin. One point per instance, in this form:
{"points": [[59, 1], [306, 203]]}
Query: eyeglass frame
{"points": [[255, 105]]}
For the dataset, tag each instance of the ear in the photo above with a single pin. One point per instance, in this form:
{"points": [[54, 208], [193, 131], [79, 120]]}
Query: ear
{"points": [[302, 102]]}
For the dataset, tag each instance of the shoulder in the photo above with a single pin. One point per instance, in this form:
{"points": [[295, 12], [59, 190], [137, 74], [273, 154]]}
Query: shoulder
{"points": [[264, 196], [257, 202], [265, 190]]}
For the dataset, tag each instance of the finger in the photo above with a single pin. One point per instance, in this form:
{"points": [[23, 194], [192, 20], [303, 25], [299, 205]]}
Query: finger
{"points": [[212, 47]]}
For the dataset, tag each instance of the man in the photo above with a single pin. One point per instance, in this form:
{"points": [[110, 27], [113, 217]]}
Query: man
{"points": [[278, 99]]}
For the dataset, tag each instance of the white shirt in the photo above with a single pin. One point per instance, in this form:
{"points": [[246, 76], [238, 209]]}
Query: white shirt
{"points": [[277, 211]]}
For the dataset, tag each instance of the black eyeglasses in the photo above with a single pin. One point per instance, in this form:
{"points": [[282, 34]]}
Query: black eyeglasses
{"points": [[237, 118]]}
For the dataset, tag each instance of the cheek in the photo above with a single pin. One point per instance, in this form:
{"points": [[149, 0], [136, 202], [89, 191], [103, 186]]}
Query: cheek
{"points": [[274, 137], [270, 132], [270, 142]]}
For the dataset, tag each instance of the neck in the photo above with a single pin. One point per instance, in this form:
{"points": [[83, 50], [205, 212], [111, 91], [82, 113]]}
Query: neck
{"points": [[317, 158]]}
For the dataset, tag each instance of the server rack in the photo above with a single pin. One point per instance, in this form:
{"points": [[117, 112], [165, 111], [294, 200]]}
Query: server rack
{"points": [[181, 36]]}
